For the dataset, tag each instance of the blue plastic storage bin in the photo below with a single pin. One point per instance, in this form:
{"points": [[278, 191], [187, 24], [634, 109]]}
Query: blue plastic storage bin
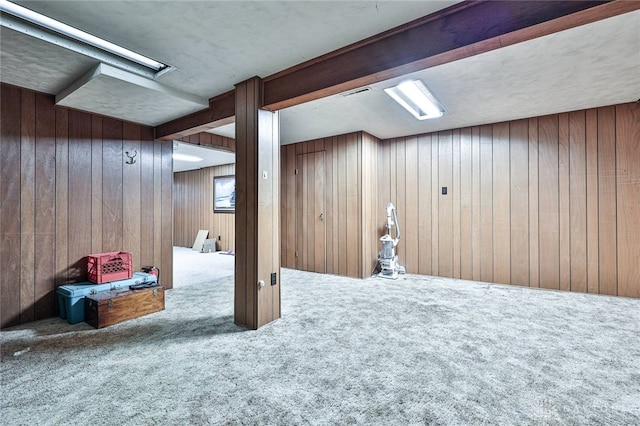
{"points": [[71, 296]]}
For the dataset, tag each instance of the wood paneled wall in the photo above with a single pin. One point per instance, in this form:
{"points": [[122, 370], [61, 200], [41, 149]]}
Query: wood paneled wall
{"points": [[66, 192], [349, 188], [193, 208], [551, 202]]}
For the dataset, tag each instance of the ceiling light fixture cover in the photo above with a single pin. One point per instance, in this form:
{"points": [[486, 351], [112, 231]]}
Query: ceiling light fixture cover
{"points": [[76, 34], [416, 98], [185, 157]]}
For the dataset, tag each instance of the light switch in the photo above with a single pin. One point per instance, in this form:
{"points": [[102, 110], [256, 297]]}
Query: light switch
{"points": [[264, 174]]}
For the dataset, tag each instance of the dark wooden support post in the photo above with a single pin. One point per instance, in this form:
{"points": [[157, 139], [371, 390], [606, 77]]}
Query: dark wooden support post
{"points": [[257, 261]]}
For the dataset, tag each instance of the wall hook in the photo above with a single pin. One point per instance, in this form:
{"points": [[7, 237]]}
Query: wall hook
{"points": [[131, 159]]}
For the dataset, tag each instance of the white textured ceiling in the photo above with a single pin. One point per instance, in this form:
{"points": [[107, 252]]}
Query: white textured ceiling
{"points": [[215, 44]]}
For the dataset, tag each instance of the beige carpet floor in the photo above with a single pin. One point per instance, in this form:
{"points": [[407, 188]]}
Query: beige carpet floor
{"points": [[419, 350]]}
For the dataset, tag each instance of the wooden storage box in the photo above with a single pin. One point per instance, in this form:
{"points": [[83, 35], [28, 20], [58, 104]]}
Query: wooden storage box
{"points": [[112, 307]]}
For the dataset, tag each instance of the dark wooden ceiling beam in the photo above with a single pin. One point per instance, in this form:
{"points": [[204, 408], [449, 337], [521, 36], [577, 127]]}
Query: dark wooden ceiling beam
{"points": [[462, 30]]}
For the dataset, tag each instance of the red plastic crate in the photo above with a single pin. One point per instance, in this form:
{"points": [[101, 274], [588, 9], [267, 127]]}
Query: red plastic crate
{"points": [[112, 266]]}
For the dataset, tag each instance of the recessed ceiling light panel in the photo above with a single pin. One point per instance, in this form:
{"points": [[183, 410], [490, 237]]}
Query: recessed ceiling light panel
{"points": [[416, 98]]}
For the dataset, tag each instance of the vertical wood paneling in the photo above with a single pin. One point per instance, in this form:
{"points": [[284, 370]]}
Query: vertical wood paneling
{"points": [[456, 198], [501, 204], [79, 193], [549, 229], [112, 189], [10, 263], [400, 199], [486, 203], [564, 201], [242, 310], [516, 180], [57, 183], [578, 200], [519, 199], [475, 197], [62, 194], [320, 253], [370, 210], [333, 240], [195, 188], [131, 238], [466, 205], [96, 184], [27, 205], [534, 233], [409, 228], [445, 205], [424, 204], [592, 200], [45, 212], [352, 214], [628, 199], [146, 202], [435, 206]]}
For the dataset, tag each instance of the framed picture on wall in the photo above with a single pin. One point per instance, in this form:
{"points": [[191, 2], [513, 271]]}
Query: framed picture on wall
{"points": [[224, 194]]}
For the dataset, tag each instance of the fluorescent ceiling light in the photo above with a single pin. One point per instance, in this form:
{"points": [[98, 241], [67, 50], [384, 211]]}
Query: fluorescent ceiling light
{"points": [[414, 96], [185, 157], [76, 34]]}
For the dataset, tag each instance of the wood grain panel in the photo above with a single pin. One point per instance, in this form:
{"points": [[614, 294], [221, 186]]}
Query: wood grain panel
{"points": [[564, 202], [62, 195], [591, 134], [10, 262], [333, 240], [112, 189], [79, 193], [27, 205], [466, 205], [146, 201], [501, 204], [486, 203], [401, 191], [476, 226], [96, 184], [45, 212], [534, 233], [242, 309], [456, 198], [410, 228], [424, 204], [578, 200], [445, 204], [352, 207], [519, 199], [628, 199], [131, 237], [549, 229], [435, 206]]}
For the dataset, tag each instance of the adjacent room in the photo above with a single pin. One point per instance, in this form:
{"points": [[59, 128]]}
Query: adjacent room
{"points": [[345, 212]]}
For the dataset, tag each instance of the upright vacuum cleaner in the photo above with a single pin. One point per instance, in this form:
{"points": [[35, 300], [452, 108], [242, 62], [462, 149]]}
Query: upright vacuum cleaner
{"points": [[387, 265]]}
